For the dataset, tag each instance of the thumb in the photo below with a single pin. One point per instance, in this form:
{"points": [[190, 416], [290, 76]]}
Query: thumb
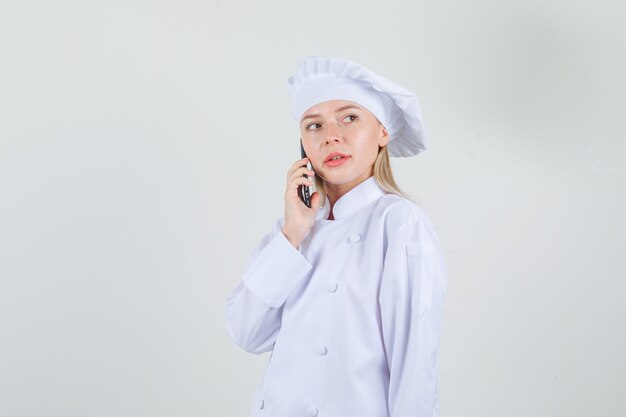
{"points": [[316, 200]]}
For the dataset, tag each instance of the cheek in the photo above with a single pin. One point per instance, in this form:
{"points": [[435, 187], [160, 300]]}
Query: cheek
{"points": [[316, 158], [368, 148], [308, 146]]}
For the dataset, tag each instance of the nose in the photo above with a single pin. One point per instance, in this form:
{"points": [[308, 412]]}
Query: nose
{"points": [[333, 134]]}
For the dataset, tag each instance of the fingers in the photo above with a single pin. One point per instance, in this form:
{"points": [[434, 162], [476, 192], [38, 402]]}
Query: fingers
{"points": [[301, 181], [296, 178], [293, 184], [299, 168], [299, 163], [299, 174]]}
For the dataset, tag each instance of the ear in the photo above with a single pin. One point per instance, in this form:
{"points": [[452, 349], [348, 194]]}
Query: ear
{"points": [[384, 138]]}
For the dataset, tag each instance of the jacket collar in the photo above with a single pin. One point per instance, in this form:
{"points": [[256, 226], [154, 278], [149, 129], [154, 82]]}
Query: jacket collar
{"points": [[360, 196]]}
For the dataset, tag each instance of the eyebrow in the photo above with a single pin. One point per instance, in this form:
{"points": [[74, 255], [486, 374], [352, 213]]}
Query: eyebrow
{"points": [[312, 115]]}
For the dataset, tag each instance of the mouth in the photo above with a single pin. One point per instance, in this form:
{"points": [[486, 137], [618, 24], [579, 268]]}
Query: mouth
{"points": [[335, 157]]}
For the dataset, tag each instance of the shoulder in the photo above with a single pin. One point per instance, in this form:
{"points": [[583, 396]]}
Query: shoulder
{"points": [[409, 229], [399, 212]]}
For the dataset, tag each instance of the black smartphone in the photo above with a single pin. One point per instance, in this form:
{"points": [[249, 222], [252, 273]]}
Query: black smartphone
{"points": [[304, 191]]}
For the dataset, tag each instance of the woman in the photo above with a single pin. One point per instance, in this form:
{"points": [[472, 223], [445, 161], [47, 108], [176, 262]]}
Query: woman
{"points": [[347, 294]]}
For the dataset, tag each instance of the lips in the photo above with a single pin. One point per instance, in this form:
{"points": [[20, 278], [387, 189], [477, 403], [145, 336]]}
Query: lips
{"points": [[332, 155]]}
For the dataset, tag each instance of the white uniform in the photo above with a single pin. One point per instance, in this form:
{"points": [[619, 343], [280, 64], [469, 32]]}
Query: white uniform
{"points": [[352, 318]]}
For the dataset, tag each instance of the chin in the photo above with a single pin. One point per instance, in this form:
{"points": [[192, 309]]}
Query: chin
{"points": [[339, 179]]}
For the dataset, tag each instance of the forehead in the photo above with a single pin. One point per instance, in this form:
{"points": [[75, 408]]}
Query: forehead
{"points": [[330, 106]]}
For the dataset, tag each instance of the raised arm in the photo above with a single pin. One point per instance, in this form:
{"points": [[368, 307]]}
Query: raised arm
{"points": [[253, 310]]}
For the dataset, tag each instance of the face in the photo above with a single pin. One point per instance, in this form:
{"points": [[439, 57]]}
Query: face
{"points": [[345, 129]]}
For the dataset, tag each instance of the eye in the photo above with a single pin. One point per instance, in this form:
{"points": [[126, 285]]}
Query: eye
{"points": [[313, 124], [353, 116]]}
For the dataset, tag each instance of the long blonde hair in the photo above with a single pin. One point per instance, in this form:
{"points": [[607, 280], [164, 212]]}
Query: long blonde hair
{"points": [[382, 174]]}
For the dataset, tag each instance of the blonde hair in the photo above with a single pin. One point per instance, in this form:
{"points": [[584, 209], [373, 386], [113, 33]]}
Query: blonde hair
{"points": [[382, 174]]}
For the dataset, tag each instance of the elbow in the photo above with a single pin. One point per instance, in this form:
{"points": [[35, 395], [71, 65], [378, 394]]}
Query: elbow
{"points": [[247, 335], [246, 340]]}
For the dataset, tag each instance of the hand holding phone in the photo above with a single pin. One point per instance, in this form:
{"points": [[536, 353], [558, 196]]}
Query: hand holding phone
{"points": [[300, 209]]}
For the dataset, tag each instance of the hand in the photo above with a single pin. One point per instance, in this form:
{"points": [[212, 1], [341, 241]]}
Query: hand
{"points": [[298, 217]]}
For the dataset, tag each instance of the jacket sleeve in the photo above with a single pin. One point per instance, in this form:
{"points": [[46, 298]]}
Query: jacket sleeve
{"points": [[411, 300], [253, 309]]}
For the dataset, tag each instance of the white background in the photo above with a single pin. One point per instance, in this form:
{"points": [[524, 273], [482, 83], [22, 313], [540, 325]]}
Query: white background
{"points": [[143, 153]]}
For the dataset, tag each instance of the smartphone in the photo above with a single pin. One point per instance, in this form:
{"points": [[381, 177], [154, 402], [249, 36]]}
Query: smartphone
{"points": [[304, 191]]}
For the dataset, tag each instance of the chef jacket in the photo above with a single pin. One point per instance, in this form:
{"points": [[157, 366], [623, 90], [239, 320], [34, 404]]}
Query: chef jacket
{"points": [[352, 317]]}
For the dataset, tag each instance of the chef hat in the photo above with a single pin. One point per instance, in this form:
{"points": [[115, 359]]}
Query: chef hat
{"points": [[319, 79]]}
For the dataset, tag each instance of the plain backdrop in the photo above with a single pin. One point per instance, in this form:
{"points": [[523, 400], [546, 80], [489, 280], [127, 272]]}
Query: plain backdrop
{"points": [[143, 152]]}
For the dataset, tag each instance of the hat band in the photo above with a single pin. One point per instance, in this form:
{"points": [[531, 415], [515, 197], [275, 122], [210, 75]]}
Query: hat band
{"points": [[342, 88]]}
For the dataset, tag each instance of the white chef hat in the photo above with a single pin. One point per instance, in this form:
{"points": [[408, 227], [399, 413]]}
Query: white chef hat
{"points": [[319, 79]]}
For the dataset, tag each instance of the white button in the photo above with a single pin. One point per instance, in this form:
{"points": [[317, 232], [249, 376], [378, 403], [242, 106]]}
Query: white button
{"points": [[323, 350], [261, 404], [311, 412], [355, 237], [332, 286]]}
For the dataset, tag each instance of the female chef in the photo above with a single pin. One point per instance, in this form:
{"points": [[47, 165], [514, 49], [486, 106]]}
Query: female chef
{"points": [[346, 294]]}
